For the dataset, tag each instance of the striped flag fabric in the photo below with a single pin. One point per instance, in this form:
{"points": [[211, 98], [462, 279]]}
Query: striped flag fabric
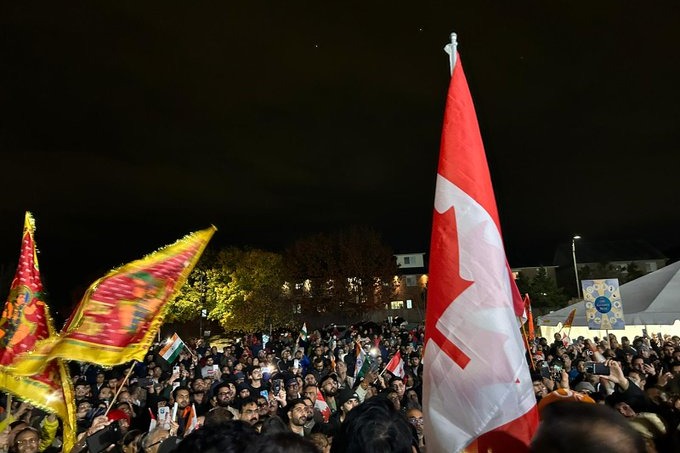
{"points": [[396, 365], [362, 364], [173, 347], [474, 396]]}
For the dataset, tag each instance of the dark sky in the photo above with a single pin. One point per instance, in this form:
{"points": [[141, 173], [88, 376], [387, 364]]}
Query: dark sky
{"points": [[125, 125]]}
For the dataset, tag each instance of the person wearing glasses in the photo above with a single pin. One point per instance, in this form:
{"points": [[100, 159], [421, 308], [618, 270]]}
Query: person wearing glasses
{"points": [[415, 418]]}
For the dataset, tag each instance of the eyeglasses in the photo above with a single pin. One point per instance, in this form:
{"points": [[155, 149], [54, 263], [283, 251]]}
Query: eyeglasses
{"points": [[416, 420], [31, 441]]}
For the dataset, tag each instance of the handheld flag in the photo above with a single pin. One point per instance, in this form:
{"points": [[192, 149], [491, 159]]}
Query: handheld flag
{"points": [[118, 317], [569, 320], [362, 364], [173, 347], [25, 321], [472, 392], [530, 318], [303, 332], [396, 365]]}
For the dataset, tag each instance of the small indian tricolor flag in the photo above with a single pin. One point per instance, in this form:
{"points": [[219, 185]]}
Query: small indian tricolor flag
{"points": [[172, 348]]}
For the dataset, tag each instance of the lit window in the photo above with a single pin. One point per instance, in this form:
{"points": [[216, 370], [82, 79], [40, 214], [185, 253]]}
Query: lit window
{"points": [[397, 304], [409, 303]]}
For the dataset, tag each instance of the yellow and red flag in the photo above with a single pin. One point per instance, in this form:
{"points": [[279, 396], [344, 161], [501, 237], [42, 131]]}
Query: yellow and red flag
{"points": [[25, 321], [118, 317], [569, 320]]}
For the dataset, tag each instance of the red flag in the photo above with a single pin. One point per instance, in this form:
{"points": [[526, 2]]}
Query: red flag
{"points": [[477, 386], [25, 321], [396, 365], [118, 317]]}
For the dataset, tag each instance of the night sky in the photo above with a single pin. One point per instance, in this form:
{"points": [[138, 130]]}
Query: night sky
{"points": [[125, 125]]}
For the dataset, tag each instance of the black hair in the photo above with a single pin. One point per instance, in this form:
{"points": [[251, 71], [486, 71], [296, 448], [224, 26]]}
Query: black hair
{"points": [[284, 442], [374, 427], [586, 428], [181, 387], [274, 425], [247, 400], [230, 437]]}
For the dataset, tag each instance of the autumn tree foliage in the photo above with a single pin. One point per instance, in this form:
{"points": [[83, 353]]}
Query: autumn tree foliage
{"points": [[241, 289], [350, 272]]}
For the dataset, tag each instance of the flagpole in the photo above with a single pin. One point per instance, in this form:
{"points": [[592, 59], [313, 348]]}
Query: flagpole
{"points": [[525, 337], [452, 50], [127, 376]]}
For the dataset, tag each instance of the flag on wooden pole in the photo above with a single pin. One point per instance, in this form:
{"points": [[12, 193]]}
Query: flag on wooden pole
{"points": [[477, 389]]}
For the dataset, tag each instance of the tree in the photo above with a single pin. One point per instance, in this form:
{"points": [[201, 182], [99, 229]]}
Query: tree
{"points": [[544, 292], [347, 273], [241, 289]]}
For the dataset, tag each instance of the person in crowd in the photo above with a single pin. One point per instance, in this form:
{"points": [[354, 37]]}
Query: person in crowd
{"points": [[344, 380], [415, 418], [329, 390], [249, 412], [374, 425], [297, 416], [585, 428]]}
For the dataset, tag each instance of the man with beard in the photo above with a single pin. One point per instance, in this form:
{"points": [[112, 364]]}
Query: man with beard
{"points": [[297, 416], [329, 390], [321, 410], [249, 411], [182, 397], [225, 393]]}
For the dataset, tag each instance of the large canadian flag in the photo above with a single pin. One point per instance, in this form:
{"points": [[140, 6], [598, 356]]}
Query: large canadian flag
{"points": [[477, 390]]}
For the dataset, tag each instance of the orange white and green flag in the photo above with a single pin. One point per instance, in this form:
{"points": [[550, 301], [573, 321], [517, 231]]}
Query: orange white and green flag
{"points": [[25, 321], [118, 317], [172, 348]]}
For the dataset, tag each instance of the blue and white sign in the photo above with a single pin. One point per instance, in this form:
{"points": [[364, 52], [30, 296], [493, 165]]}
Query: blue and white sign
{"points": [[604, 310]]}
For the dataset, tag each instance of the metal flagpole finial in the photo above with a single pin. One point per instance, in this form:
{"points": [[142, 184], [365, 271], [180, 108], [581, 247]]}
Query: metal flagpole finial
{"points": [[451, 49]]}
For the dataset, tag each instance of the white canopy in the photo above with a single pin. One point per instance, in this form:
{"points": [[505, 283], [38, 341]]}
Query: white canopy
{"points": [[651, 301]]}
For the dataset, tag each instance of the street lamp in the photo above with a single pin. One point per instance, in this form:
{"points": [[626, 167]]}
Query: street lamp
{"points": [[573, 255]]}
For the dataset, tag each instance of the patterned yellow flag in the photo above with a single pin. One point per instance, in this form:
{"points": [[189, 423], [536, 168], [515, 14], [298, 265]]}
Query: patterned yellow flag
{"points": [[569, 320], [118, 317], [25, 321]]}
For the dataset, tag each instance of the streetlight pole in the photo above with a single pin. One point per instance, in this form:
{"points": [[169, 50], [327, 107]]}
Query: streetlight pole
{"points": [[573, 255]]}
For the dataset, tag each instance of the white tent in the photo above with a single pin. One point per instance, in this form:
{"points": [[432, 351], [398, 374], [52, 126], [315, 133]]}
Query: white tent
{"points": [[650, 302]]}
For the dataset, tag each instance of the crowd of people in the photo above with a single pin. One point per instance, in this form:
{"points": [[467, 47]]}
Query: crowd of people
{"points": [[303, 395], [288, 391], [639, 379]]}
